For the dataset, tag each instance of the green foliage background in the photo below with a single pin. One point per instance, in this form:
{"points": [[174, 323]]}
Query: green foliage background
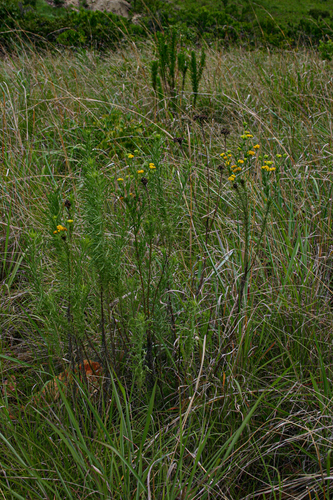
{"points": [[280, 24]]}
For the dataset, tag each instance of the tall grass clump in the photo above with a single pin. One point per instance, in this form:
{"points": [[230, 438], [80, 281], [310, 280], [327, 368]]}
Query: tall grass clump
{"points": [[166, 277], [168, 72]]}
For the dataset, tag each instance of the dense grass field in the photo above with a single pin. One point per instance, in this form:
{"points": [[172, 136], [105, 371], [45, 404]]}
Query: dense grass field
{"points": [[179, 240]]}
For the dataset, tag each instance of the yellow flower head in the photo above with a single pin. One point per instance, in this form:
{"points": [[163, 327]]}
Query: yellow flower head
{"points": [[265, 167], [272, 169], [252, 153], [120, 179], [240, 161], [152, 166], [256, 146], [61, 228], [232, 178], [233, 166], [249, 136], [55, 232], [70, 221], [279, 156], [130, 156], [140, 171]]}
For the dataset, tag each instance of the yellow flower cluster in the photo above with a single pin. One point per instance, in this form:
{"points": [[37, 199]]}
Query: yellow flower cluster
{"points": [[140, 171], [227, 155], [60, 228], [267, 168], [130, 155], [152, 166], [120, 179], [239, 164]]}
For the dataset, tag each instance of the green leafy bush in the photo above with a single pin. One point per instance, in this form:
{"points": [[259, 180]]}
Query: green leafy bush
{"points": [[319, 13], [101, 31], [90, 29], [32, 3], [326, 49]]}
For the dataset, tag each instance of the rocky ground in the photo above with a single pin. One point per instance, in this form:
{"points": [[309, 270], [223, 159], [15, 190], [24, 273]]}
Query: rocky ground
{"points": [[119, 7]]}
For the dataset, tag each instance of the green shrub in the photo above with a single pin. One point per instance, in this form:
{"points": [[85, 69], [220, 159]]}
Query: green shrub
{"points": [[318, 13], [228, 24], [32, 3], [59, 3], [71, 38], [326, 49], [90, 29]]}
